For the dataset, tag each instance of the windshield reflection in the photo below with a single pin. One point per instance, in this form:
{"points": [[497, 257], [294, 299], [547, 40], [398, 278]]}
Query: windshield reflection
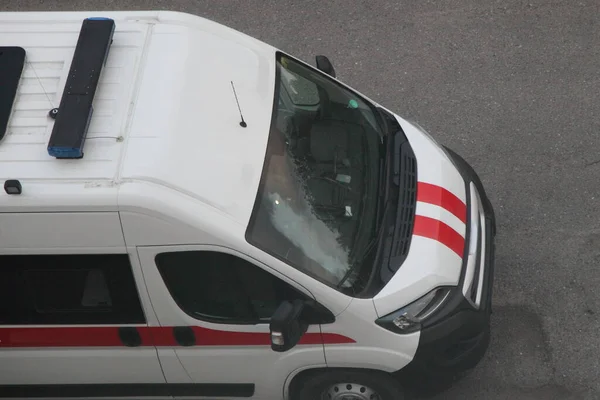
{"points": [[316, 204]]}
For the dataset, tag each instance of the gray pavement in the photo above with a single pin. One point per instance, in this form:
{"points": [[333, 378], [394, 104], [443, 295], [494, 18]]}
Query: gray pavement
{"points": [[512, 85]]}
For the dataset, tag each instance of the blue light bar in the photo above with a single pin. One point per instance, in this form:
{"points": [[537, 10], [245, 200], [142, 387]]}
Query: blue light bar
{"points": [[75, 110], [69, 151]]}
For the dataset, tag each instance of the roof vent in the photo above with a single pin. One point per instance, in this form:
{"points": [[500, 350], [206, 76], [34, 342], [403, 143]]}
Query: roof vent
{"points": [[75, 110]]}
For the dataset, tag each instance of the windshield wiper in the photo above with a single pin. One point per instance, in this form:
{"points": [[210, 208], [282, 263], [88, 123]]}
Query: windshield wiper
{"points": [[381, 209], [359, 261]]}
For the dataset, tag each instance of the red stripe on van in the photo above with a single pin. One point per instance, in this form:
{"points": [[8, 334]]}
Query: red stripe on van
{"points": [[161, 335], [157, 336], [61, 337], [439, 231], [438, 196], [334, 338]]}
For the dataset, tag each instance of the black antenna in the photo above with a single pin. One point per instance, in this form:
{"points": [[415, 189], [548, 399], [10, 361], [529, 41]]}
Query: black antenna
{"points": [[243, 123]]}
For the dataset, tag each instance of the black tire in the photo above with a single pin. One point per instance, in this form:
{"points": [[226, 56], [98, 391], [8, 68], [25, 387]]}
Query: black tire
{"points": [[314, 385]]}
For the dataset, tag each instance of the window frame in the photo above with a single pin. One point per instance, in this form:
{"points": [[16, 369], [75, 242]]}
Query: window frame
{"points": [[318, 314], [119, 274]]}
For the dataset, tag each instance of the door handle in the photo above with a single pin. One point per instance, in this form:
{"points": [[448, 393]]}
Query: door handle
{"points": [[184, 335], [130, 336]]}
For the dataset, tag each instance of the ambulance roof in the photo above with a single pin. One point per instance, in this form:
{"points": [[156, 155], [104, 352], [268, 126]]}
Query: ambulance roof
{"points": [[164, 112]]}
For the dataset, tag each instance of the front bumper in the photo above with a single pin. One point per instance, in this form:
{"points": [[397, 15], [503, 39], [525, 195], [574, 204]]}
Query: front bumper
{"points": [[457, 337]]}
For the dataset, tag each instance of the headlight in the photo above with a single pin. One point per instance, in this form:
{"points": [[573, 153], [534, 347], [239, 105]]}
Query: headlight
{"points": [[408, 319]]}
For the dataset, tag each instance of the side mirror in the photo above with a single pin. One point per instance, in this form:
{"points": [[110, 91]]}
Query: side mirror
{"points": [[286, 326], [323, 64]]}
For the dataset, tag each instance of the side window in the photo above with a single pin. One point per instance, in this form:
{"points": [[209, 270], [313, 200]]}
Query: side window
{"points": [[68, 289], [220, 287]]}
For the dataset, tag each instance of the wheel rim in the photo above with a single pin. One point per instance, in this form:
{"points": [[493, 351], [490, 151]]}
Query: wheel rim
{"points": [[350, 391]]}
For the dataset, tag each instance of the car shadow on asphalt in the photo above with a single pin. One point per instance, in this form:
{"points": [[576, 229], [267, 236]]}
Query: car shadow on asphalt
{"points": [[517, 366]]}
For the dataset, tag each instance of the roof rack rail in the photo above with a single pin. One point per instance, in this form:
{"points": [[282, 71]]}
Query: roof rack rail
{"points": [[75, 110]]}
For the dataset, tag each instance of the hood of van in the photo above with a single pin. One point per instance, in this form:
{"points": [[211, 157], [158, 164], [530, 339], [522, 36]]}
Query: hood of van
{"points": [[435, 257]]}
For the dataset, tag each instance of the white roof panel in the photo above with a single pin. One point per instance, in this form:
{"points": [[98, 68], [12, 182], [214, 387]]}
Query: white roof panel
{"points": [[164, 112], [186, 134], [49, 50]]}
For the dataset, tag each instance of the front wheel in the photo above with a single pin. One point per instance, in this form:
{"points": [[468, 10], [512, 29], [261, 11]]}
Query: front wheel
{"points": [[349, 385]]}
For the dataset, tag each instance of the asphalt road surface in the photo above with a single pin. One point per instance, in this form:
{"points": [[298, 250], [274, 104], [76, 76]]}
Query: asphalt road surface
{"points": [[514, 86]]}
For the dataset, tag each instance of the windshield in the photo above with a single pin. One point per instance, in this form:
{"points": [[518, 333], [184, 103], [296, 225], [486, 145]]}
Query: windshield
{"points": [[317, 202]]}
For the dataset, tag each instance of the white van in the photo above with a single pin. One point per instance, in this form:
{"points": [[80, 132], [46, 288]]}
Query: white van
{"points": [[228, 222]]}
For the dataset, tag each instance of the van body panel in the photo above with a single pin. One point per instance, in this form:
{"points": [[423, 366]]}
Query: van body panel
{"points": [[170, 172]]}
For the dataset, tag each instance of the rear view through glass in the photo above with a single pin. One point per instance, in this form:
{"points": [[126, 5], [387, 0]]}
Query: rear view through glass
{"points": [[317, 202]]}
